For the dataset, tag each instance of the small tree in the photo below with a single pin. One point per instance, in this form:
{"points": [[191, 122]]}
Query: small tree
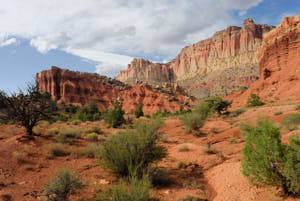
{"points": [[62, 185], [27, 109], [115, 117], [254, 100], [267, 160], [139, 111]]}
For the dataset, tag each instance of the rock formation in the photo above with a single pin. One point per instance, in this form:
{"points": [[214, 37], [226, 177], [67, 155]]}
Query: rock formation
{"points": [[80, 88], [222, 63], [279, 61]]}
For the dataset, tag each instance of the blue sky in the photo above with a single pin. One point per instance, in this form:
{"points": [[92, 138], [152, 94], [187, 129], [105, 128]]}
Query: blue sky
{"points": [[103, 37]]}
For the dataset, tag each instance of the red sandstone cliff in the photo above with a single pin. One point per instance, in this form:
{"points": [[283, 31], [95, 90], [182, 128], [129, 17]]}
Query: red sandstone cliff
{"points": [[279, 61], [81, 88], [231, 53]]}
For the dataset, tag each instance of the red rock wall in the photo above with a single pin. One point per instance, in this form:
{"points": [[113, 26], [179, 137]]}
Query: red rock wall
{"points": [[80, 88], [279, 61], [233, 48]]}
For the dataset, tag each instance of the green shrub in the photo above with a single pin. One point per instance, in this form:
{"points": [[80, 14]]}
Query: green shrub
{"points": [[62, 185], [267, 160], [94, 129], [136, 190], [203, 109], [52, 131], [132, 150], [291, 121], [93, 137], [76, 122], [114, 117], [90, 151], [193, 121], [139, 111], [67, 135], [217, 104], [70, 133], [57, 149], [254, 100], [161, 114], [88, 112], [292, 166]]}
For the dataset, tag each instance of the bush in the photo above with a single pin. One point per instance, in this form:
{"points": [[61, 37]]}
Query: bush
{"points": [[114, 117], [136, 190], [70, 133], [94, 129], [161, 114], [292, 166], [132, 150], [67, 135], [90, 151], [254, 100], [193, 121], [76, 122], [88, 112], [267, 160], [217, 104], [203, 109], [57, 149], [52, 131], [139, 111], [62, 185], [93, 137], [291, 120]]}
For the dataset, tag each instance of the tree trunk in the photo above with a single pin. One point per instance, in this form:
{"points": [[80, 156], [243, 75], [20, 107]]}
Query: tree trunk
{"points": [[29, 131]]}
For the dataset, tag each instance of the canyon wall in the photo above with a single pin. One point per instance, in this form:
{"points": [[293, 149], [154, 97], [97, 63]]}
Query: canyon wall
{"points": [[227, 61], [80, 88], [279, 61]]}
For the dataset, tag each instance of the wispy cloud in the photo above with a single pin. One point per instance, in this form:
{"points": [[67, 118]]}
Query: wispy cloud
{"points": [[110, 32], [5, 40]]}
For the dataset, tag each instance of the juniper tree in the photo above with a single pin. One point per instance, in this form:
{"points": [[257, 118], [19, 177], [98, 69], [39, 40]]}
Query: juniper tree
{"points": [[26, 108]]}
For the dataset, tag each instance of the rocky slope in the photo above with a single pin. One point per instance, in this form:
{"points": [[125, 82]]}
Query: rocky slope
{"points": [[81, 88], [279, 60], [222, 63]]}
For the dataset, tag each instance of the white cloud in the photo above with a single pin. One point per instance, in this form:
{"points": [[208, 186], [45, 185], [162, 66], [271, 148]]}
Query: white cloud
{"points": [[242, 12], [109, 64], [5, 40], [110, 32]]}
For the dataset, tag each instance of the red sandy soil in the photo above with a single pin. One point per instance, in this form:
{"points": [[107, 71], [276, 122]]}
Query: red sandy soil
{"points": [[216, 177]]}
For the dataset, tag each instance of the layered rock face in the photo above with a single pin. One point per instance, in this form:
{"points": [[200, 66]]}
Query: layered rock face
{"points": [[231, 53], [279, 61], [80, 88]]}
